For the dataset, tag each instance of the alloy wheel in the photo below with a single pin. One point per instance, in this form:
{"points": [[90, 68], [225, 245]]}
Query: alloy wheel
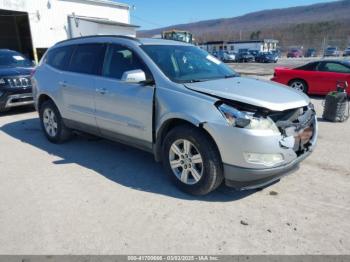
{"points": [[50, 122], [186, 161], [297, 85]]}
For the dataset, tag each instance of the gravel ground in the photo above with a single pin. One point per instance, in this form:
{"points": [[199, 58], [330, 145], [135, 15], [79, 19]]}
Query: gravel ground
{"points": [[92, 196]]}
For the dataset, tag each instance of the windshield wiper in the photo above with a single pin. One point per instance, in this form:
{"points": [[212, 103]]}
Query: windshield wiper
{"points": [[230, 76], [192, 80]]}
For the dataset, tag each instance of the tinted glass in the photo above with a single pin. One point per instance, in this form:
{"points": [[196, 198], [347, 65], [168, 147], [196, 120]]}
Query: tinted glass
{"points": [[14, 59], [335, 67], [59, 57], [187, 63], [87, 58], [308, 67], [120, 59]]}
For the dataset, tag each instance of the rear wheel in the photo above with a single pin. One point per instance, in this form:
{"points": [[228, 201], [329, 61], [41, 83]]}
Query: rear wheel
{"points": [[192, 160], [299, 85], [52, 123]]}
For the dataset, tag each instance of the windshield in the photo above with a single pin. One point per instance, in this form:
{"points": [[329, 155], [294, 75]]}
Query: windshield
{"points": [[14, 59], [186, 64]]}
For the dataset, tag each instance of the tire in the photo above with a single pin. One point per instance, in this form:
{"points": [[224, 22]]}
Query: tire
{"points": [[207, 175], [51, 119], [299, 84]]}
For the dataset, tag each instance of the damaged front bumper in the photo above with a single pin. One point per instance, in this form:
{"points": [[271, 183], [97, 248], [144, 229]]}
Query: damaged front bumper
{"points": [[294, 145]]}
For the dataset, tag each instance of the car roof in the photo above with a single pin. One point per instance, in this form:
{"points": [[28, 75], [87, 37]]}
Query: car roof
{"points": [[8, 51], [120, 39]]}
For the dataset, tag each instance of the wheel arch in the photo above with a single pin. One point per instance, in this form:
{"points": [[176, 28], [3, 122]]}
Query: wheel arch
{"points": [[43, 98], [298, 79], [168, 125]]}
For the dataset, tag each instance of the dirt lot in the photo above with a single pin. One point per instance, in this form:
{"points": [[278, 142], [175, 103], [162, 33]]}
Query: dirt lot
{"points": [[268, 69], [93, 196]]}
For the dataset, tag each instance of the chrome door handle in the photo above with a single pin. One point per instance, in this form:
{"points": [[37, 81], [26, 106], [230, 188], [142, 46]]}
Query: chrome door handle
{"points": [[102, 91]]}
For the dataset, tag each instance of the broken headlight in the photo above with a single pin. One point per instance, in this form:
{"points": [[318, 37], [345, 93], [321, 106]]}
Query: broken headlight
{"points": [[246, 119]]}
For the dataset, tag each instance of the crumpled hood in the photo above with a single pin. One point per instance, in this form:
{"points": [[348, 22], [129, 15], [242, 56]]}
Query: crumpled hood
{"points": [[255, 92], [15, 71]]}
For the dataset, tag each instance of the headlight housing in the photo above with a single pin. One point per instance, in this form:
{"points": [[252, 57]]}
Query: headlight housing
{"points": [[2, 81], [246, 120]]}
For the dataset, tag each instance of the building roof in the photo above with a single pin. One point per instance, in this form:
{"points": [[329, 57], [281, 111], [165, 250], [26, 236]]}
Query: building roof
{"points": [[103, 21], [102, 2]]}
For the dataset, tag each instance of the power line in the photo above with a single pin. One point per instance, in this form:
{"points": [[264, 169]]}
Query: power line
{"points": [[147, 21]]}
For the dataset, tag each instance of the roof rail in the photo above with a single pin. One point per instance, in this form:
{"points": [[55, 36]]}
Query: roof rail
{"points": [[94, 36]]}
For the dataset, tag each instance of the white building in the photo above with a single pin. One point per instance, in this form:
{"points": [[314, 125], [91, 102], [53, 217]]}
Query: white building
{"points": [[258, 45], [31, 26]]}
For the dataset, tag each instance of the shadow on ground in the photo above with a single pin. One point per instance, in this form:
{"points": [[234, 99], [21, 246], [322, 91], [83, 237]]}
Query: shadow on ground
{"points": [[17, 111], [124, 165]]}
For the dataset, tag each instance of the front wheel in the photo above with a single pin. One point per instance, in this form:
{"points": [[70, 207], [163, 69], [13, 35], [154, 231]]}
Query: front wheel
{"points": [[298, 85], [192, 160], [52, 123]]}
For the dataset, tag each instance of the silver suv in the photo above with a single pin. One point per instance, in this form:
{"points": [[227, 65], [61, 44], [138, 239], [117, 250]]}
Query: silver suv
{"points": [[196, 115]]}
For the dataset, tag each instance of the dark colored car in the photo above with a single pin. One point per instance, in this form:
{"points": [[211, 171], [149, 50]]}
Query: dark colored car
{"points": [[266, 57], [347, 52], [254, 53], [331, 51], [311, 52], [244, 57], [295, 53], [15, 83]]}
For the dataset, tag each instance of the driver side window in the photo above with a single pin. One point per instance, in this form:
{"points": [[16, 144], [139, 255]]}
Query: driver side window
{"points": [[335, 67], [120, 59]]}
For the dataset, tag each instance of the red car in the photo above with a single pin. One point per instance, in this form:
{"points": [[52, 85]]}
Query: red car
{"points": [[317, 78], [294, 53]]}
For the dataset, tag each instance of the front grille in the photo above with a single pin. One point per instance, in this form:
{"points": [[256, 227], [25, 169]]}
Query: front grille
{"points": [[19, 82]]}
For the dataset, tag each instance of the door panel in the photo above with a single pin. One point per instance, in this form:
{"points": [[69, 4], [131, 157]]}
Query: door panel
{"points": [[330, 74], [78, 94], [124, 109], [77, 84]]}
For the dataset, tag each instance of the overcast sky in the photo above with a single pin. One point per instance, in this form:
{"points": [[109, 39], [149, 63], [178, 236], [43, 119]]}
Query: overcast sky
{"points": [[159, 13]]}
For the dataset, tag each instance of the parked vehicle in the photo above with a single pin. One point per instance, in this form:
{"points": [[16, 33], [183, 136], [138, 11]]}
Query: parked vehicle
{"points": [[331, 51], [276, 52], [266, 57], [318, 78], [226, 56], [311, 52], [194, 113], [178, 35], [254, 53], [15, 84], [295, 53], [347, 51], [244, 57]]}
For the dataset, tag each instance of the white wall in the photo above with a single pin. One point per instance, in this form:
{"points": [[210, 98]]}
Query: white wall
{"points": [[85, 28], [49, 18]]}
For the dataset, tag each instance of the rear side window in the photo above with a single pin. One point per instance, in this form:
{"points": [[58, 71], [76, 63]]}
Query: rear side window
{"points": [[87, 58], [59, 57], [309, 67]]}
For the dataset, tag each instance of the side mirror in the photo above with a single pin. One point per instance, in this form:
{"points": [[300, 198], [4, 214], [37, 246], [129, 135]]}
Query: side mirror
{"points": [[134, 76]]}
